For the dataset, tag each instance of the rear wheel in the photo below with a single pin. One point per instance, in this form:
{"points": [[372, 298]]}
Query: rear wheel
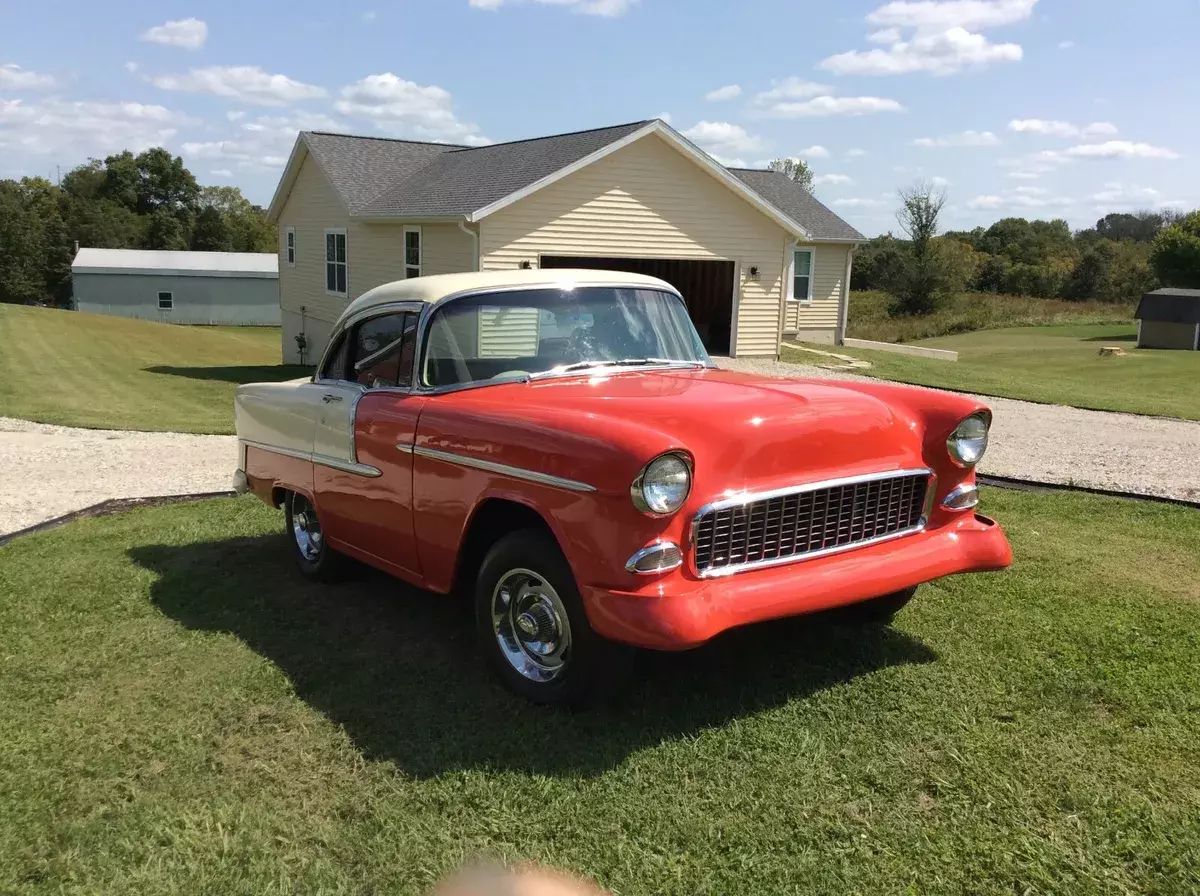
{"points": [[315, 559], [881, 610], [534, 629]]}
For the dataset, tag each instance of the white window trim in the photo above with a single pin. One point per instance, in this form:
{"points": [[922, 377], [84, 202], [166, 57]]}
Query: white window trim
{"points": [[289, 246], [336, 231], [165, 292], [791, 273], [420, 265]]}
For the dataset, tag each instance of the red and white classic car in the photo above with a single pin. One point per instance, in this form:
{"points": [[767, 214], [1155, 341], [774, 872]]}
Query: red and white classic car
{"points": [[559, 445]]}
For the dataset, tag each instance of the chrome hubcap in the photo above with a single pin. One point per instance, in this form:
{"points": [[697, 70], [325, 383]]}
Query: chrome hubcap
{"points": [[531, 625], [306, 528]]}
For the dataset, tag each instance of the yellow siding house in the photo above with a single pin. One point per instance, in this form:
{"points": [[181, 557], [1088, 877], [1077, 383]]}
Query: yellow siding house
{"points": [[755, 256]]}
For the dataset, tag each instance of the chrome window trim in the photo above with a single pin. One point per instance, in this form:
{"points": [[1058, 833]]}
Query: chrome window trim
{"points": [[490, 466], [750, 497], [324, 460], [657, 548], [342, 326], [964, 489]]}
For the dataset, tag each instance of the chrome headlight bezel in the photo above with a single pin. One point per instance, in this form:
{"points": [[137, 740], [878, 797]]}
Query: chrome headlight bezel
{"points": [[650, 505], [955, 442]]}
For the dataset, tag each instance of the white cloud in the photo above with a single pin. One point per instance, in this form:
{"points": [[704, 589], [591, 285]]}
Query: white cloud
{"points": [[1062, 128], [728, 92], [859, 203], [261, 143], [855, 153], [944, 37], [221, 172], [83, 129], [187, 33], [131, 67], [939, 181], [1113, 149], [836, 179], [729, 161], [1022, 174], [245, 83], [1020, 198], [13, 77], [664, 116], [945, 53], [792, 88], [827, 106], [607, 8], [1179, 204], [1066, 44], [966, 138], [723, 141], [1116, 193], [404, 106], [814, 152], [368, 16], [986, 202], [1031, 191]]}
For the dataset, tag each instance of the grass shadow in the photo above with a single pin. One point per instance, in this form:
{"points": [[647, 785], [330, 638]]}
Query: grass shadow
{"points": [[399, 669], [1124, 337], [262, 373]]}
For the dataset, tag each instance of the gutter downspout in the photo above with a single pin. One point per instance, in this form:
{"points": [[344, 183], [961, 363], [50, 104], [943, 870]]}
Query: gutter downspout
{"points": [[844, 315], [474, 235]]}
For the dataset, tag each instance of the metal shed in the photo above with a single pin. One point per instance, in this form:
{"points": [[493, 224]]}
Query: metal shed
{"points": [[1169, 318], [207, 288]]}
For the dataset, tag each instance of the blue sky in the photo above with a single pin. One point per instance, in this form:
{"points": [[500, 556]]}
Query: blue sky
{"points": [[1039, 108]]}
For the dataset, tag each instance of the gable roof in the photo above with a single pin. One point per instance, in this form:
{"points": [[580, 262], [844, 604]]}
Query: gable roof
{"points": [[382, 178], [784, 193], [257, 265], [1176, 306]]}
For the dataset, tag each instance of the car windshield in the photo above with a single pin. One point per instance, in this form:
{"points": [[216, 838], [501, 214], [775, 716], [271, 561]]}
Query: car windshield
{"points": [[550, 331]]}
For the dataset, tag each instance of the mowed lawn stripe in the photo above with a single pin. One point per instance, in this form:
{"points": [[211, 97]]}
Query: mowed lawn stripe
{"points": [[180, 712], [116, 373]]}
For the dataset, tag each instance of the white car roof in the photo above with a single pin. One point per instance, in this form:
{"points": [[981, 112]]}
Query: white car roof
{"points": [[438, 287]]}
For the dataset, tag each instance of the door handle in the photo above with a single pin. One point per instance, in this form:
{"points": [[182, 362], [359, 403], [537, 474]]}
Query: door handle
{"points": [[328, 398]]}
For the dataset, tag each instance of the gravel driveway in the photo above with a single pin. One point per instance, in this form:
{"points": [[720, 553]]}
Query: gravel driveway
{"points": [[47, 471], [1051, 443]]}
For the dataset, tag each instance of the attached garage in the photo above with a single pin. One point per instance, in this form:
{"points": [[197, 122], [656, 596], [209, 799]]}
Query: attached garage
{"points": [[755, 256], [707, 288]]}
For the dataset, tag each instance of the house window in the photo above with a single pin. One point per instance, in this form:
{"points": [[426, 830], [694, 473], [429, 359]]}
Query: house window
{"points": [[412, 252], [802, 275], [166, 301], [290, 246], [335, 262]]}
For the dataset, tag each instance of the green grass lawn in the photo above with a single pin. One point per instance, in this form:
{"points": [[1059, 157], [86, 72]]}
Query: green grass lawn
{"points": [[967, 312], [1057, 364], [117, 373], [180, 713]]}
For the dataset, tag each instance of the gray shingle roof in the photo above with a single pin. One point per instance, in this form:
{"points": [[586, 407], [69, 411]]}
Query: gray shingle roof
{"points": [[465, 180], [1176, 306], [378, 177], [361, 167], [797, 203]]}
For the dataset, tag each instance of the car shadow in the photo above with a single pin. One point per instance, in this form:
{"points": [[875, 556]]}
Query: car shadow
{"points": [[261, 373], [400, 671]]}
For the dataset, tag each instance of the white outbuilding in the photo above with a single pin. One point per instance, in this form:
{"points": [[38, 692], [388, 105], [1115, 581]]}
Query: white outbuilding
{"points": [[239, 289]]}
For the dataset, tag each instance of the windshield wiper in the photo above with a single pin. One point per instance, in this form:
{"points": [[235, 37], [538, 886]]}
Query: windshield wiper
{"points": [[623, 362]]}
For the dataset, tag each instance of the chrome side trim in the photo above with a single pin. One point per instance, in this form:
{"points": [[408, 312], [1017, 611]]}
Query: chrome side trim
{"points": [[345, 466], [723, 571], [406, 449], [489, 466], [276, 449], [750, 497], [631, 565], [324, 460], [962, 491]]}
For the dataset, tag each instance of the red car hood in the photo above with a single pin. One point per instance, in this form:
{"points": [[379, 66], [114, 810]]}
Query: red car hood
{"points": [[751, 430]]}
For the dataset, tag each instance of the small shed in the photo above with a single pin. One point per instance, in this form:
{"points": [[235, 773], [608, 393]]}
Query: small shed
{"points": [[238, 289], [1169, 318]]}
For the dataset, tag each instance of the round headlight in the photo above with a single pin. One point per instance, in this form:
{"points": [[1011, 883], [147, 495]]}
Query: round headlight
{"points": [[663, 486], [969, 440]]}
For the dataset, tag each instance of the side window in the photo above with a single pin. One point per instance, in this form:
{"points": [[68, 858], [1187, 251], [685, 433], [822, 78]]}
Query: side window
{"points": [[335, 367], [383, 350]]}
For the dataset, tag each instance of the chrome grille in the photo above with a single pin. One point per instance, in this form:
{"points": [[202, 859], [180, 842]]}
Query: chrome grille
{"points": [[781, 527]]}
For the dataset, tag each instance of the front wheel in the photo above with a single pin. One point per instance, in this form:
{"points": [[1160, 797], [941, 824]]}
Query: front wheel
{"points": [[534, 629], [315, 559]]}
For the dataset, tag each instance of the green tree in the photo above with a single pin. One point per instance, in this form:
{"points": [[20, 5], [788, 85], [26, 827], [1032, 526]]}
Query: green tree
{"points": [[165, 231], [795, 169], [1175, 255], [926, 278], [165, 183], [210, 233], [21, 277], [123, 181], [245, 224]]}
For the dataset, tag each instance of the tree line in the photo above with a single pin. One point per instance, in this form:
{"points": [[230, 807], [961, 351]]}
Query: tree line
{"points": [[1124, 256], [125, 201]]}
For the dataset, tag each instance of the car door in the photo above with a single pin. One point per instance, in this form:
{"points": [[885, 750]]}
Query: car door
{"points": [[363, 483]]}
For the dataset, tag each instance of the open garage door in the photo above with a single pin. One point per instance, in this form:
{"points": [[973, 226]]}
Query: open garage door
{"points": [[706, 287]]}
